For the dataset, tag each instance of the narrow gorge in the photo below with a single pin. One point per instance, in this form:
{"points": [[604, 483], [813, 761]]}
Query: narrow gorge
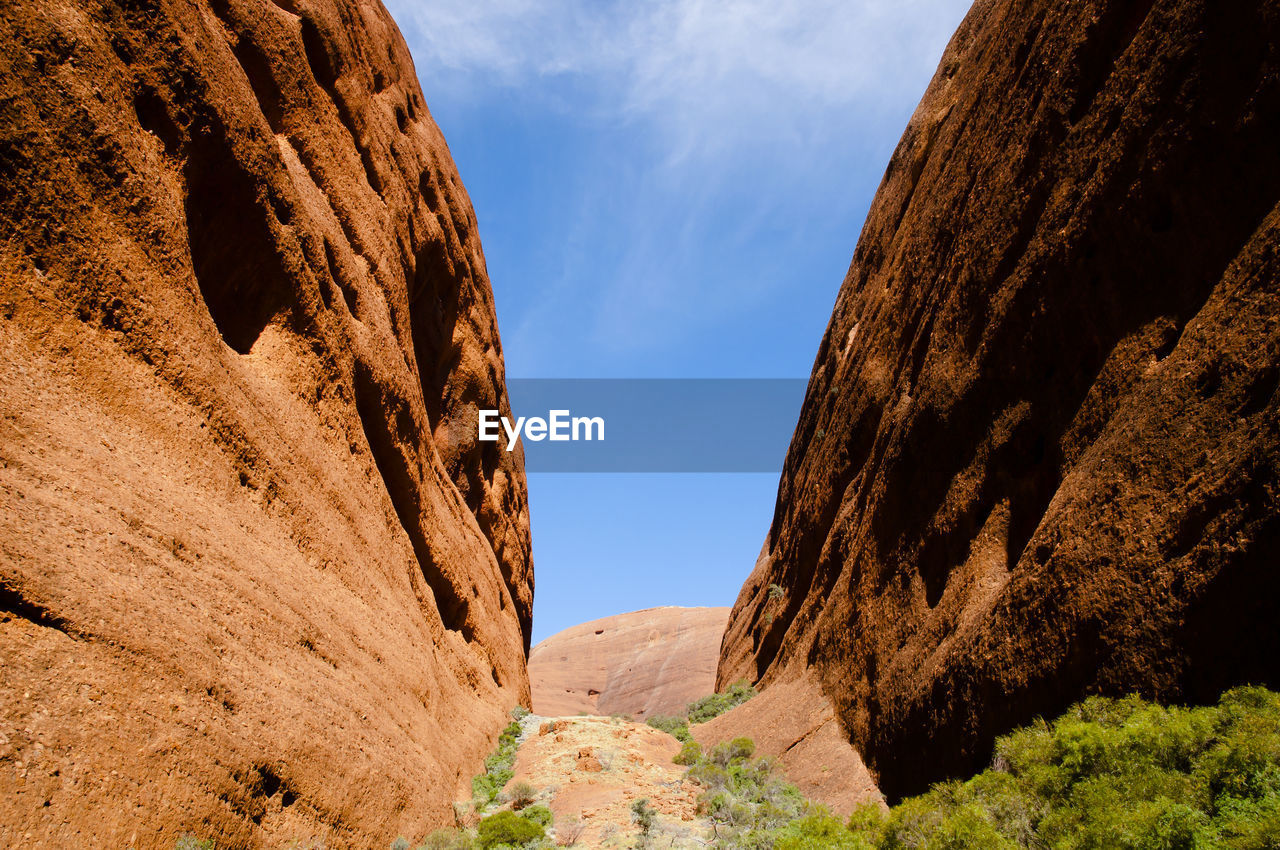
{"points": [[261, 584]]}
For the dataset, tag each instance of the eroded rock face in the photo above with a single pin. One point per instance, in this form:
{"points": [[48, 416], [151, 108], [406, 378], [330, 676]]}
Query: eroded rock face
{"points": [[1040, 452], [258, 580], [641, 664]]}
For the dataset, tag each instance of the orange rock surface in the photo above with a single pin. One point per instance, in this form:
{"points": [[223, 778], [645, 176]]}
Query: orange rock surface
{"points": [[1039, 456], [640, 664], [258, 582]]}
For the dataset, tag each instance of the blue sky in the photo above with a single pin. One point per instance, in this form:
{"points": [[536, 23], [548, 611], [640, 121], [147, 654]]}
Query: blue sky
{"points": [[666, 189]]}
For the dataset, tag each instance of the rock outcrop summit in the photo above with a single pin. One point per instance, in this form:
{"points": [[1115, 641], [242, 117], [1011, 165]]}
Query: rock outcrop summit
{"points": [[1039, 455], [641, 664], [258, 582]]}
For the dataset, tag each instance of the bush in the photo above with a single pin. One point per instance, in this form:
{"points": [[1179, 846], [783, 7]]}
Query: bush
{"points": [[522, 794], [1109, 773], [689, 753], [190, 842], [486, 787], [1114, 773], [745, 800], [726, 753], [510, 829], [540, 815], [644, 815], [717, 704], [448, 839], [677, 727], [819, 830], [570, 831]]}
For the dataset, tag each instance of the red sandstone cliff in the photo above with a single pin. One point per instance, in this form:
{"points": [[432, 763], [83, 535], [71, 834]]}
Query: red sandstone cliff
{"points": [[1040, 452], [258, 581], [642, 664]]}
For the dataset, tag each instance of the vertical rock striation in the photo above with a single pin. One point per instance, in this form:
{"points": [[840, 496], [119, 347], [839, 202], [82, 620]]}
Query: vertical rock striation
{"points": [[258, 581], [1039, 455]]}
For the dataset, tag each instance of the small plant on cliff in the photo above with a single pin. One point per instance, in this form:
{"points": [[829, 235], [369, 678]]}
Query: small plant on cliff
{"points": [[717, 704], [772, 601], [190, 842]]}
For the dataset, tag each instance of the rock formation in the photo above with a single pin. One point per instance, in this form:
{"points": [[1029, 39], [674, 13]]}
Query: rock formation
{"points": [[641, 664], [257, 580], [1039, 455]]}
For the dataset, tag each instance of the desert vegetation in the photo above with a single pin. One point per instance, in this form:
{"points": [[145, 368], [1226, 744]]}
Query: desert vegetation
{"points": [[1109, 773], [523, 825], [486, 787], [702, 710]]}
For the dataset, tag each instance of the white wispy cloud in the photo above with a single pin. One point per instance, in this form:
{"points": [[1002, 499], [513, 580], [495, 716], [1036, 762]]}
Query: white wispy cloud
{"points": [[715, 144], [705, 72]]}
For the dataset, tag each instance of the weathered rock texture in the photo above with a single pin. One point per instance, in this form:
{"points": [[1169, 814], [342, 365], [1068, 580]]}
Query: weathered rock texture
{"points": [[641, 664], [256, 583], [1040, 452]]}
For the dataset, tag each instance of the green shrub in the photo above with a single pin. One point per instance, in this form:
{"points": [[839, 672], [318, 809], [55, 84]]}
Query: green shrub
{"points": [[689, 753], [448, 839], [539, 814], [520, 713], [644, 815], [1109, 774], [522, 794], [717, 704], [486, 787], [819, 830], [190, 842], [726, 753], [1117, 773], [677, 727], [508, 828], [743, 798]]}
